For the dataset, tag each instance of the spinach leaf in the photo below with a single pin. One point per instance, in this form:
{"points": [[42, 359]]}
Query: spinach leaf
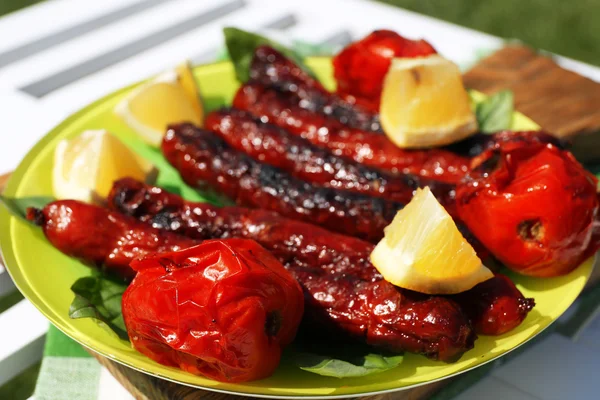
{"points": [[354, 367], [18, 207], [495, 113], [99, 297], [241, 45]]}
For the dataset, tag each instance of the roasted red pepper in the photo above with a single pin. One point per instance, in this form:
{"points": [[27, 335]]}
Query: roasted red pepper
{"points": [[223, 309], [532, 205], [360, 68]]}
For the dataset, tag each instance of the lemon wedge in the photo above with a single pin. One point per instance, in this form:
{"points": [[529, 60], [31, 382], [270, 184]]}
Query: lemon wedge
{"points": [[424, 251], [171, 97], [424, 103], [86, 167]]}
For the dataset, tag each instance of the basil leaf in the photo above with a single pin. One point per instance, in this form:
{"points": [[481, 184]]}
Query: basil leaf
{"points": [[495, 113], [18, 207], [172, 189], [99, 297], [241, 45], [352, 368]]}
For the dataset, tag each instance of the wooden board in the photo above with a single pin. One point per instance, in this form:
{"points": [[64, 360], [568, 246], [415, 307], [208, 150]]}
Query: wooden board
{"points": [[562, 102]]}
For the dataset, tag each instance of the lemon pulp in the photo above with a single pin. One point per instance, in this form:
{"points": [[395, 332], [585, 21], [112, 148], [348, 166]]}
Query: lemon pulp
{"points": [[86, 167], [424, 251], [171, 97], [424, 103]]}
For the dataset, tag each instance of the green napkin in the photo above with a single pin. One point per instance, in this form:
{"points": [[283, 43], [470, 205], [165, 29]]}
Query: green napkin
{"points": [[67, 371]]}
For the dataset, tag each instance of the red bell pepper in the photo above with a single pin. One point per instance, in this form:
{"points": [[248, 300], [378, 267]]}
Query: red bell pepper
{"points": [[532, 205], [361, 67], [223, 309]]}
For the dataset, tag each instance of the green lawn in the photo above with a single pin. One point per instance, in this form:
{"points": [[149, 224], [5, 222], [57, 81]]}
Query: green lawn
{"points": [[570, 28], [7, 6]]}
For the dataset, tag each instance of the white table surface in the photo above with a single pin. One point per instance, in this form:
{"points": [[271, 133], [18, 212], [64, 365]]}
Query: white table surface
{"points": [[57, 56]]}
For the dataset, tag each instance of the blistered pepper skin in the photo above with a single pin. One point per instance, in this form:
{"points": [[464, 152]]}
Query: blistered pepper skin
{"points": [[532, 205], [360, 68], [224, 309]]}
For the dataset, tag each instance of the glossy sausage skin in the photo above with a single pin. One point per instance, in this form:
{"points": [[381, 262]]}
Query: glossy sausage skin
{"points": [[202, 158], [383, 315], [275, 146], [294, 243], [299, 245], [272, 68], [436, 328], [102, 238], [344, 293], [495, 306], [365, 147]]}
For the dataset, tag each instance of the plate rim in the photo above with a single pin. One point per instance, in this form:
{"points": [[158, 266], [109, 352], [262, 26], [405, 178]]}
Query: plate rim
{"points": [[12, 266]]}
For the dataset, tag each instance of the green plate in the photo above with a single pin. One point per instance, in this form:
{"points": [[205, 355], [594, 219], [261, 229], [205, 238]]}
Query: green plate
{"points": [[44, 275]]}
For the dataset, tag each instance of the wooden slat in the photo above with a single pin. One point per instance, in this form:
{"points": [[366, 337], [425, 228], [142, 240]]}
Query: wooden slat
{"points": [[23, 327], [6, 284], [23, 332], [561, 101]]}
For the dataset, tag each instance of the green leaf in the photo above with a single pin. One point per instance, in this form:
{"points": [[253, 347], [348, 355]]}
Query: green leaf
{"points": [[495, 113], [99, 297], [352, 368], [18, 207], [241, 45], [172, 189]]}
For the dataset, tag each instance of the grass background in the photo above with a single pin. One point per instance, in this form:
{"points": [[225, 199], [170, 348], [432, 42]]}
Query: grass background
{"points": [[564, 27], [569, 28]]}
